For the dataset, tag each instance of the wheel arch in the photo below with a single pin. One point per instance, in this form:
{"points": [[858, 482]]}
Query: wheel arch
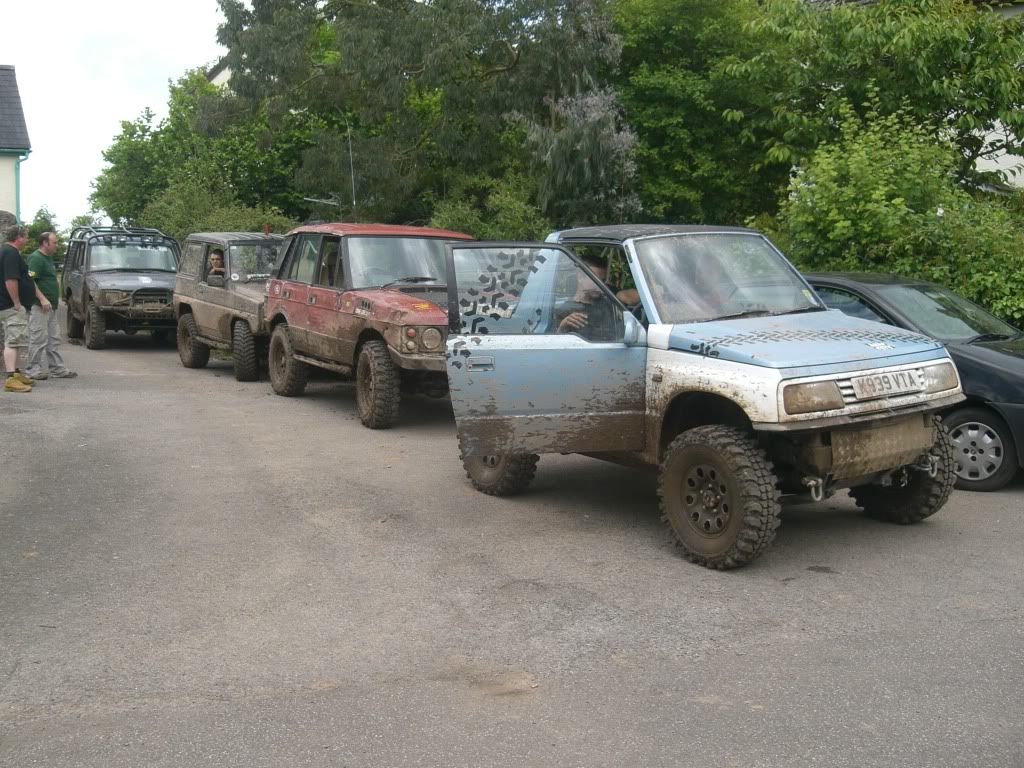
{"points": [[691, 409]]}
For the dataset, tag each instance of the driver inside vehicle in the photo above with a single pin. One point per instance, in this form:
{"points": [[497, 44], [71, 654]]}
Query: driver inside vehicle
{"points": [[590, 313], [216, 263]]}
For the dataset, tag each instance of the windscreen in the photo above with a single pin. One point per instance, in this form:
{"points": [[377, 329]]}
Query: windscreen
{"points": [[944, 315], [376, 261], [132, 257], [252, 262], [701, 277]]}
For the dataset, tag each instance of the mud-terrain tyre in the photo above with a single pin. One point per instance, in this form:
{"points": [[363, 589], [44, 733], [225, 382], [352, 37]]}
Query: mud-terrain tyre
{"points": [[984, 453], [719, 496], [378, 386], [921, 497], [243, 352], [75, 327], [95, 330], [193, 353], [288, 376], [504, 475]]}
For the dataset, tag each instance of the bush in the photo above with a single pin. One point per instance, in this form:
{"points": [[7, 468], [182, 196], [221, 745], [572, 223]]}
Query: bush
{"points": [[493, 209], [883, 198]]}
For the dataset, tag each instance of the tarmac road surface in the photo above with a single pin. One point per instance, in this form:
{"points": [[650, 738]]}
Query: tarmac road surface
{"points": [[196, 572]]}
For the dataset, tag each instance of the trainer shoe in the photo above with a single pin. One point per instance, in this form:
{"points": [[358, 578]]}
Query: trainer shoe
{"points": [[13, 385], [39, 376], [65, 374], [19, 376]]}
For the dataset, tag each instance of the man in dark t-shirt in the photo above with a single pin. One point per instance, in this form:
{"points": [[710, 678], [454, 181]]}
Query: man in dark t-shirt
{"points": [[18, 292]]}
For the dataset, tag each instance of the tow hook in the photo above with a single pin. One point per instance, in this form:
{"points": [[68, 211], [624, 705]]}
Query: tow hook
{"points": [[816, 486], [931, 466]]}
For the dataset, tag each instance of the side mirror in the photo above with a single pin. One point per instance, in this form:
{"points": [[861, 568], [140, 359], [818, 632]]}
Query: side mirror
{"points": [[215, 281], [635, 334]]}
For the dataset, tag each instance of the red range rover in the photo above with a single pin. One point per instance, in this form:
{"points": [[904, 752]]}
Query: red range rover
{"points": [[362, 300]]}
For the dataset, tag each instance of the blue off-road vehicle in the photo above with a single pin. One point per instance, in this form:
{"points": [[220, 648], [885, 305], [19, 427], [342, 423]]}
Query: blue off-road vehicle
{"points": [[712, 359]]}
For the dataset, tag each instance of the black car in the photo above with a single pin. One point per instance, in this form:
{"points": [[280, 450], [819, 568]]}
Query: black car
{"points": [[119, 279], [987, 429]]}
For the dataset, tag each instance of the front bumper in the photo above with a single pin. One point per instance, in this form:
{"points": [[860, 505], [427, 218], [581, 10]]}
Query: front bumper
{"points": [[418, 362], [142, 316], [830, 422]]}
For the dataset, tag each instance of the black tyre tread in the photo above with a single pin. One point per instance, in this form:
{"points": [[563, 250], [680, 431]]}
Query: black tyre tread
{"points": [[1010, 466], [193, 353], [75, 327], [243, 352], [380, 411], [95, 329], [515, 476], [759, 494], [293, 381], [921, 498]]}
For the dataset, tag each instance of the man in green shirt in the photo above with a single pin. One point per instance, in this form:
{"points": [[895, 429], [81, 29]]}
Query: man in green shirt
{"points": [[44, 327]]}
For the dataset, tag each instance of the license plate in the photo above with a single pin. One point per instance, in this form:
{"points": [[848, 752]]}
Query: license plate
{"points": [[886, 384]]}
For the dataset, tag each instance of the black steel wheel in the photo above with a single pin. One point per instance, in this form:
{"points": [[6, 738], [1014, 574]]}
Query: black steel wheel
{"points": [[193, 353], [504, 475], [916, 494], [377, 386], [288, 376], [74, 326], [95, 329], [719, 496], [243, 352]]}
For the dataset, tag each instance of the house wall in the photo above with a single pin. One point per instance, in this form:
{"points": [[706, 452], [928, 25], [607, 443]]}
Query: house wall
{"points": [[8, 185]]}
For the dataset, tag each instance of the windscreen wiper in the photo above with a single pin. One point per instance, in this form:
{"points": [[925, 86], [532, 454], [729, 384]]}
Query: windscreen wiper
{"points": [[800, 311], [745, 313], [990, 337], [411, 279]]}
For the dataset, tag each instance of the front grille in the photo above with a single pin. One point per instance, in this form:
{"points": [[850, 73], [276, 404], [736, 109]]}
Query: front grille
{"points": [[151, 296]]}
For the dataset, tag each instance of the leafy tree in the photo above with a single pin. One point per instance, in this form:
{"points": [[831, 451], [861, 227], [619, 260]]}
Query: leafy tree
{"points": [[947, 63], [426, 94], [134, 173], [883, 197], [694, 165], [188, 206]]}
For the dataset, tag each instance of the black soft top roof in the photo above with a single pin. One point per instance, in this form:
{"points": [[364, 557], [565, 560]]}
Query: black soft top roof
{"points": [[620, 232]]}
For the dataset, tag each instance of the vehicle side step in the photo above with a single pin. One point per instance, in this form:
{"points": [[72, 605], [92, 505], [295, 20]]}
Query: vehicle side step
{"points": [[213, 343], [344, 370]]}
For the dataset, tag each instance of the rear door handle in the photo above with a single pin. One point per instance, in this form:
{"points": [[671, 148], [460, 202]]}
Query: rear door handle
{"points": [[480, 363]]}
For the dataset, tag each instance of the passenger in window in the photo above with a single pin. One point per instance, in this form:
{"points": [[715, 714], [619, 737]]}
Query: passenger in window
{"points": [[590, 313], [216, 263]]}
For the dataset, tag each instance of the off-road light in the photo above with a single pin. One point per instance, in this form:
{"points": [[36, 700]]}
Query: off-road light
{"points": [[410, 332], [812, 397], [411, 346], [939, 378]]}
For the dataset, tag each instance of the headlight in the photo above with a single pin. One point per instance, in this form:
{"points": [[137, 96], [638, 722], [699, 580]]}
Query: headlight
{"points": [[114, 297], [939, 378], [431, 339], [811, 397]]}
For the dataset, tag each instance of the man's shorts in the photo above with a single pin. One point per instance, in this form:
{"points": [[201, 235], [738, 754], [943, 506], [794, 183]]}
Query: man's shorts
{"points": [[15, 325]]}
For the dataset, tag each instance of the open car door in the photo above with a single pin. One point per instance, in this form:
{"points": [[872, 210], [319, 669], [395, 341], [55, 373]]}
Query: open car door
{"points": [[541, 356]]}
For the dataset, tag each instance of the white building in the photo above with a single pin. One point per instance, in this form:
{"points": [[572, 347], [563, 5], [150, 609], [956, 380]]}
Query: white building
{"points": [[14, 143]]}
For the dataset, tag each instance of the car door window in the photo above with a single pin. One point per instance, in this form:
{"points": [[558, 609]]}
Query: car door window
{"points": [[191, 260], [532, 290], [848, 303], [329, 273], [304, 261]]}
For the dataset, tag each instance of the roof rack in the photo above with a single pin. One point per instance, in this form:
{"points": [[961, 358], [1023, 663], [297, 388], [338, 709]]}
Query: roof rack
{"points": [[90, 231]]}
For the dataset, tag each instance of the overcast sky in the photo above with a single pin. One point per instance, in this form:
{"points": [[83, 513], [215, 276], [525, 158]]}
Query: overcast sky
{"points": [[115, 57]]}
